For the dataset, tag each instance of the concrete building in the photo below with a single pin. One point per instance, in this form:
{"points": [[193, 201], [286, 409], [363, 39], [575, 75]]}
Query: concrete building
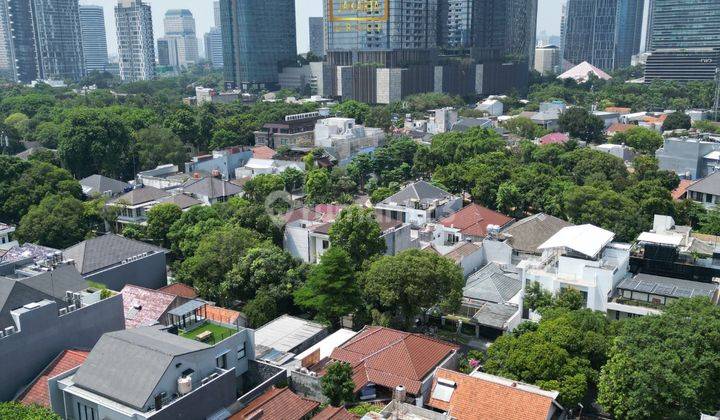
{"points": [[317, 36], [287, 335], [418, 203], [148, 373], [493, 107], [456, 24], [296, 78], [258, 39], [116, 261], [136, 49], [690, 157], [344, 139], [548, 59], [6, 232], [221, 163], [94, 39], [686, 24], [214, 47], [181, 38], [47, 311], [682, 65], [605, 33], [296, 131], [581, 257]]}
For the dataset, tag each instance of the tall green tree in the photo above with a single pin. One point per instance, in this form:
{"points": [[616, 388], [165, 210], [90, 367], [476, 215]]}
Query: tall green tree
{"points": [[677, 121], [330, 290], [580, 124], [642, 139], [160, 219], [157, 145], [57, 222], [258, 188], [358, 233], [17, 411], [337, 384], [318, 186]]}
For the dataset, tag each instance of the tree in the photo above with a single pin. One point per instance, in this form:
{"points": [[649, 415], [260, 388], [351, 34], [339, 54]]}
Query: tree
{"points": [[157, 145], [569, 298], [160, 218], [641, 139], [337, 384], [48, 134], [404, 284], [379, 194], [185, 234], [353, 109], [580, 124], [17, 411], [523, 127], [57, 222], [258, 188], [293, 179], [710, 222], [95, 141], [318, 186], [19, 122], [183, 123], [357, 232], [509, 199], [379, 116], [266, 267], [261, 309], [536, 297], [677, 121], [330, 290], [665, 366]]}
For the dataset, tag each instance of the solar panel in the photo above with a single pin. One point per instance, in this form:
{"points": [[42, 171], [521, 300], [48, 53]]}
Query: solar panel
{"points": [[683, 292], [645, 287]]}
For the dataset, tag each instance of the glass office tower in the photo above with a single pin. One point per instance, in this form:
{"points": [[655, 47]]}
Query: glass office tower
{"points": [[94, 39], [684, 24], [258, 38]]}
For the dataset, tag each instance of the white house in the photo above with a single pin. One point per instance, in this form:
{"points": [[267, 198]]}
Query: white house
{"points": [[256, 166], [343, 138], [581, 257], [493, 107], [5, 232], [419, 203]]}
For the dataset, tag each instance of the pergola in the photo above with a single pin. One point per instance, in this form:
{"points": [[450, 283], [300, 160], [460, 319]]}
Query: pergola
{"points": [[189, 313]]}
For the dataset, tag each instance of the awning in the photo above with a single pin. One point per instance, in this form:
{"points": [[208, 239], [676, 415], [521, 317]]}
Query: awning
{"points": [[187, 308]]}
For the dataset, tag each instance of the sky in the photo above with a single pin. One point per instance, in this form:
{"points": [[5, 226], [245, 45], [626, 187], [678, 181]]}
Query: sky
{"points": [[202, 10]]}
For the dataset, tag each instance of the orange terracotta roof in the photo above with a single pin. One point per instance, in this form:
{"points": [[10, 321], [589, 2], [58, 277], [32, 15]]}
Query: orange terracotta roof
{"points": [[335, 413], [180, 289], [277, 404], [263, 152], [618, 109], [477, 398], [223, 315], [679, 192], [619, 128], [390, 358], [474, 220], [38, 392]]}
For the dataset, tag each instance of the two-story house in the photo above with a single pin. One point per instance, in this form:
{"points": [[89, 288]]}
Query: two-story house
{"points": [[419, 203]]}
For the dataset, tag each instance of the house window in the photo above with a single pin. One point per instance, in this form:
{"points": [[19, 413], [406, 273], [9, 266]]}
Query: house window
{"points": [[221, 361], [241, 351], [85, 412], [325, 244], [708, 198]]}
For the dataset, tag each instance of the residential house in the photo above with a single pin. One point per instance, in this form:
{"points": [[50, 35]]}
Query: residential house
{"points": [[705, 191], [211, 190], [281, 339], [397, 409], [27, 251], [584, 72], [441, 120], [296, 131], [38, 391], [134, 205], [6, 241], [419, 203], [334, 413], [146, 307], [277, 403], [472, 223], [627, 154], [180, 289], [557, 107], [469, 256], [680, 193], [465, 124], [99, 185], [484, 396], [526, 235], [549, 120], [257, 166], [147, 372], [581, 257], [219, 164], [116, 261], [344, 139], [164, 177], [493, 107], [649, 294], [690, 157], [182, 200], [618, 127], [554, 138], [608, 118], [48, 310], [383, 359]]}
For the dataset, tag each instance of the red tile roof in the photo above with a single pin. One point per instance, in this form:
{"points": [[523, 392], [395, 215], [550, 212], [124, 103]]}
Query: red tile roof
{"points": [[483, 398], [335, 413], [619, 128], [263, 152], [618, 109], [390, 358], [474, 220], [554, 138], [38, 392], [144, 307], [679, 192], [180, 289], [329, 211], [303, 213], [277, 404]]}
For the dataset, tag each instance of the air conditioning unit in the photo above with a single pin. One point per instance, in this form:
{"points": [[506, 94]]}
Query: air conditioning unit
{"points": [[9, 331], [63, 311], [71, 308], [68, 295]]}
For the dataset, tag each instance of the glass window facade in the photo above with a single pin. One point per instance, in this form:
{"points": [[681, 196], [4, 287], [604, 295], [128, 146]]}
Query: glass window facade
{"points": [[684, 24]]}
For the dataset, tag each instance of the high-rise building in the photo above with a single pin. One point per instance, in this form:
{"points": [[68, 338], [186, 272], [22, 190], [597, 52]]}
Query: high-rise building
{"points": [[547, 59], [258, 39], [7, 58], [504, 29], [605, 33], [163, 51], [213, 47], [216, 14], [317, 36], [455, 23], [94, 39], [684, 24], [180, 30], [136, 47]]}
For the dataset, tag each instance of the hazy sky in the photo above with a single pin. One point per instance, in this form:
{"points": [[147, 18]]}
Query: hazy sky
{"points": [[548, 17]]}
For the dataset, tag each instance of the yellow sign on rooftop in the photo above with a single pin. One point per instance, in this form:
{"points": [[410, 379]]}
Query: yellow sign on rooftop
{"points": [[358, 10]]}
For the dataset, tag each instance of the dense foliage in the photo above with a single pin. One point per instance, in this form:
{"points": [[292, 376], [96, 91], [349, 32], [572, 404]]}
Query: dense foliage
{"points": [[18, 411]]}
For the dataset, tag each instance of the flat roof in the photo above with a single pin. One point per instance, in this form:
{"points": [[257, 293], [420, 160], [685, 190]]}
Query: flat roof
{"points": [[187, 308], [585, 239], [329, 343], [667, 286], [286, 333], [672, 239]]}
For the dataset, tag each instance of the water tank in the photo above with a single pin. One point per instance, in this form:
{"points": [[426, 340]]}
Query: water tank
{"points": [[184, 385], [399, 393]]}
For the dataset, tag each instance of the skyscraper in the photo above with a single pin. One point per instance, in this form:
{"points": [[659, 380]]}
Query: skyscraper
{"points": [[136, 47], [258, 38], [455, 23], [180, 31], [684, 24], [7, 58], [94, 40], [216, 14], [213, 47], [504, 29], [605, 33], [317, 37]]}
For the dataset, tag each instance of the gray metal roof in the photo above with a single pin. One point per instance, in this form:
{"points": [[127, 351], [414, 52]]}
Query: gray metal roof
{"points": [[144, 194], [668, 286], [422, 191], [126, 366], [527, 234], [105, 251], [183, 201], [211, 187], [187, 307], [494, 315], [708, 185], [286, 333], [98, 184], [492, 283]]}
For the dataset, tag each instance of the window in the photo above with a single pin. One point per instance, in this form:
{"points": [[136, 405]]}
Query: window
{"points": [[221, 361], [325, 244], [241, 351], [85, 412], [708, 198]]}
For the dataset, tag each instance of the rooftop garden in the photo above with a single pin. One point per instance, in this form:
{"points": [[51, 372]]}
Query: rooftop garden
{"points": [[217, 333]]}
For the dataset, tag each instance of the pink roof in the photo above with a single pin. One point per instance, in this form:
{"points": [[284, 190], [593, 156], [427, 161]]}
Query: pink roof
{"points": [[581, 71], [554, 138], [329, 211], [263, 152], [144, 307], [38, 392]]}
